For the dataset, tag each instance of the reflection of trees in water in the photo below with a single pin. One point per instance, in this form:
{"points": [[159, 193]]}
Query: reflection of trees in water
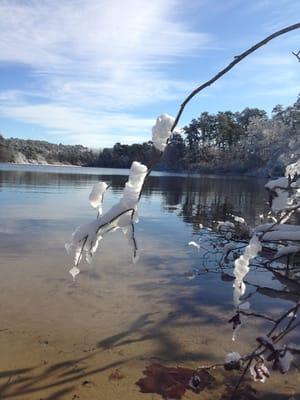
{"points": [[28, 178], [194, 199], [54, 180], [205, 199]]}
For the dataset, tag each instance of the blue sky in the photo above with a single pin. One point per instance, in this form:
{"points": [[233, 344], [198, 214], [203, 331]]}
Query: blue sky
{"points": [[95, 72]]}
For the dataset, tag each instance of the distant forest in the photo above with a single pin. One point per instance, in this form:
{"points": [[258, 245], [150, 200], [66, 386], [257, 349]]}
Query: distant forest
{"points": [[240, 142]]}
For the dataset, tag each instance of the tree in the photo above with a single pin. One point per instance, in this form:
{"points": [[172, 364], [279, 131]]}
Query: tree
{"points": [[244, 118], [173, 158]]}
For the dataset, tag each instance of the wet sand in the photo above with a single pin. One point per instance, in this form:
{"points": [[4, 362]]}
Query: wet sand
{"points": [[64, 340]]}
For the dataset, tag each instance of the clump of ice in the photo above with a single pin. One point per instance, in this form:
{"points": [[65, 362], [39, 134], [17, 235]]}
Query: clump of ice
{"points": [[232, 357], [293, 169], [161, 131], [74, 272], [86, 237], [281, 201], [96, 195], [286, 250], [233, 361], [194, 244], [225, 226], [278, 183], [241, 267], [284, 192], [285, 360], [238, 219]]}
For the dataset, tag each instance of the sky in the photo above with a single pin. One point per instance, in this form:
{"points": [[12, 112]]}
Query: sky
{"points": [[97, 72]]}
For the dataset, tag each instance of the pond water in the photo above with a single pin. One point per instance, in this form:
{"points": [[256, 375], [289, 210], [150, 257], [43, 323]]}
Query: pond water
{"points": [[65, 340]]}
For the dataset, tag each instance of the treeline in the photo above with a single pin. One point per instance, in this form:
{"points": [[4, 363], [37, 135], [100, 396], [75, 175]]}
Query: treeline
{"points": [[122, 155], [39, 151], [240, 142]]}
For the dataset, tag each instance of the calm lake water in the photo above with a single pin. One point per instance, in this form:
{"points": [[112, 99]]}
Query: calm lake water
{"points": [[116, 315]]}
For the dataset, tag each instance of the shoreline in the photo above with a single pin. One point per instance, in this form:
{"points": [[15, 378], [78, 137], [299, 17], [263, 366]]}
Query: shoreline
{"points": [[253, 174], [40, 164]]}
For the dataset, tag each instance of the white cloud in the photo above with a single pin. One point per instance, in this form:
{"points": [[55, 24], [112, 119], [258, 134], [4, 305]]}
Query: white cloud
{"points": [[96, 69], [88, 128], [107, 35], [95, 62]]}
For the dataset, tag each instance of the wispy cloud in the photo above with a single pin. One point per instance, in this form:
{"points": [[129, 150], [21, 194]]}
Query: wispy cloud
{"points": [[81, 126], [94, 63], [97, 71]]}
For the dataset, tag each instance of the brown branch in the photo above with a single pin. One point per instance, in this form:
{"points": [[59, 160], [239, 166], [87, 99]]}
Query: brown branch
{"points": [[236, 60]]}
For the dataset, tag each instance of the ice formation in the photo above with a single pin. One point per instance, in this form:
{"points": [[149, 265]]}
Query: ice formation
{"points": [[96, 196], [241, 268], [281, 227], [233, 357], [293, 169], [285, 359], [161, 131], [238, 219], [287, 250], [278, 183], [280, 232], [225, 226], [192, 243], [122, 215], [284, 193]]}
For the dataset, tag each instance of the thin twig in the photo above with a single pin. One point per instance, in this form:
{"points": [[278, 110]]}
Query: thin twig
{"points": [[254, 314], [297, 55]]}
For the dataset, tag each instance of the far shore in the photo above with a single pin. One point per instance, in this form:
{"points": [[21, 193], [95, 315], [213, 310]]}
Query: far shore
{"points": [[46, 164], [263, 174]]}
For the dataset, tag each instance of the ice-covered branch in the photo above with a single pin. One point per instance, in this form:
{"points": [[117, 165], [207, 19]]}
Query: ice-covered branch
{"points": [[97, 195], [86, 237], [162, 130], [268, 354], [122, 215], [268, 248]]}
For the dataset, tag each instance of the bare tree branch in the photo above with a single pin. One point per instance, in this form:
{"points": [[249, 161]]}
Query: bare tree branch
{"points": [[236, 60]]}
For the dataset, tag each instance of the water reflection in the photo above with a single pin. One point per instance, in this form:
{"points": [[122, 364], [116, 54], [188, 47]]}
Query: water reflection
{"points": [[194, 199], [205, 199], [49, 203]]}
